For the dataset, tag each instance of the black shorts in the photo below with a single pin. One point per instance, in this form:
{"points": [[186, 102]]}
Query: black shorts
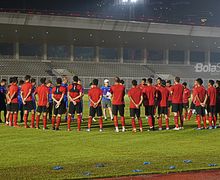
{"points": [[211, 109], [118, 108], [60, 110], [200, 110], [169, 103], [192, 106], [162, 110], [93, 111], [12, 107], [41, 109], [75, 108], [186, 105], [149, 110], [28, 106], [177, 108], [134, 112]]}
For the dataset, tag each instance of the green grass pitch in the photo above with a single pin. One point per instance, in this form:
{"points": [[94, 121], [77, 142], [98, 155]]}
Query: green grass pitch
{"points": [[32, 154]]}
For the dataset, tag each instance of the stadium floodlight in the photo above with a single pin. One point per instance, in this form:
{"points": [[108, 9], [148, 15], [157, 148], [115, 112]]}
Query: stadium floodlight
{"points": [[133, 1], [129, 2]]}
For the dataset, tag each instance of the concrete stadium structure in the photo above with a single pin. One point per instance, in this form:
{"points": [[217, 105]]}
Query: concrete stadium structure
{"points": [[124, 48]]}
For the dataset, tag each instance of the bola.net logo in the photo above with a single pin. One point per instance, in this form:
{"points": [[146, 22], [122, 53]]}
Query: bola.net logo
{"points": [[207, 68]]}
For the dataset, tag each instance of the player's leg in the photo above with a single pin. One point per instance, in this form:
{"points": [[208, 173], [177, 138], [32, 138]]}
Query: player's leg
{"points": [[32, 107], [71, 112], [79, 115], [214, 116], [92, 112], [55, 113], [138, 115], [115, 113], [132, 115], [38, 117], [44, 118], [25, 116], [180, 110], [21, 112], [99, 114], [160, 112], [210, 117], [121, 112], [175, 114]]}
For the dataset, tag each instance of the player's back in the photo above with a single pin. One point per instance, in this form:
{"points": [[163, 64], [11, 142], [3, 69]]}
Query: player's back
{"points": [[42, 92], [118, 92], [212, 96], [150, 92], [26, 88], [177, 96], [164, 95]]}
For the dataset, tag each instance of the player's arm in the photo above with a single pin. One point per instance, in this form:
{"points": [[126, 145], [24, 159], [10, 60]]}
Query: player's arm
{"points": [[8, 98], [131, 99], [140, 100], [204, 102], [28, 94], [69, 97], [54, 99], [97, 103], [91, 100], [77, 97]]}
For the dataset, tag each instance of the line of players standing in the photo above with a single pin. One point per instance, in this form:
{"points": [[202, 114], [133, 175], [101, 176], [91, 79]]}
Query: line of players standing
{"points": [[53, 101]]}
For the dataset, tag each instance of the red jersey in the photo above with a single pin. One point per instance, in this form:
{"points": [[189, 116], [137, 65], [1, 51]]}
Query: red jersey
{"points": [[177, 96], [75, 90], [163, 94], [141, 86], [212, 96], [150, 92], [13, 89], [186, 95], [95, 93], [169, 88], [201, 93], [42, 91], [135, 93], [26, 88], [58, 91], [118, 92]]}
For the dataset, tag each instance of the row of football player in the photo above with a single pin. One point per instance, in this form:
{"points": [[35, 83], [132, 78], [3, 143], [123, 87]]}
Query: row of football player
{"points": [[138, 94]]}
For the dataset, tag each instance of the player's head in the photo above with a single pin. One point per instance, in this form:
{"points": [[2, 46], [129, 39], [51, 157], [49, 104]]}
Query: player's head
{"points": [[168, 83], [27, 78], [163, 83], [33, 82], [21, 82], [91, 85], [59, 81], [159, 80], [149, 80], [10, 80], [199, 82], [79, 81], [75, 79], [49, 83], [143, 81], [106, 82], [43, 80], [184, 84], [177, 79], [14, 80], [134, 83], [65, 80], [95, 82], [117, 80], [122, 82], [217, 83], [3, 82], [211, 83]]}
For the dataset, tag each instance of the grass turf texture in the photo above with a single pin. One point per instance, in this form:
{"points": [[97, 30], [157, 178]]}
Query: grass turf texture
{"points": [[32, 154]]}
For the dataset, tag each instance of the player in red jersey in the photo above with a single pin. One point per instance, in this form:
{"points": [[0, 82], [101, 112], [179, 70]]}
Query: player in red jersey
{"points": [[163, 96], [186, 96], [192, 105], [169, 86], [118, 104], [177, 102], [42, 92], [211, 104], [28, 102], [58, 93], [12, 102], [142, 84], [136, 98], [95, 97], [150, 92], [200, 102], [75, 93]]}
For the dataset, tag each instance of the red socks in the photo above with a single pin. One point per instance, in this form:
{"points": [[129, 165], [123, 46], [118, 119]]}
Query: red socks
{"points": [[204, 121], [53, 121], [25, 120], [58, 122], [32, 120], [89, 122], [176, 121], [133, 123], [37, 121], [11, 119], [69, 122], [116, 121], [78, 122], [100, 122], [150, 121], [123, 121], [198, 119], [45, 122], [190, 115], [15, 119], [167, 123], [160, 122], [210, 120], [215, 120], [140, 123]]}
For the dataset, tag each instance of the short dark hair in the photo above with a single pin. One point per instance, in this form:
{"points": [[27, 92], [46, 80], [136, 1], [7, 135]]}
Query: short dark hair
{"points": [[59, 81], [185, 84], [3, 80], [144, 79], [21, 82], [14, 80], [10, 79], [95, 82], [117, 79], [150, 80], [169, 81], [177, 79], [199, 81], [211, 82], [33, 80], [122, 81], [159, 78], [75, 78], [163, 82], [134, 82], [27, 77], [43, 80]]}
